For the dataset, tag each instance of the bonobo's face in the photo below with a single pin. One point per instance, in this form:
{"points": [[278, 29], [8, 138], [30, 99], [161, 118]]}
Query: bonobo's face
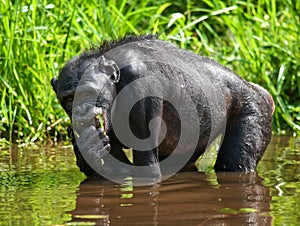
{"points": [[85, 89]]}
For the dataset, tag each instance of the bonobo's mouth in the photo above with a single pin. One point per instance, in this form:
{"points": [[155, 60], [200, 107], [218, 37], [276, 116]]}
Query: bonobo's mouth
{"points": [[90, 124], [86, 113], [101, 119]]}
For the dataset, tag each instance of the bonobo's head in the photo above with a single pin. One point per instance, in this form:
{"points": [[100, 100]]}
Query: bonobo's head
{"points": [[85, 88]]}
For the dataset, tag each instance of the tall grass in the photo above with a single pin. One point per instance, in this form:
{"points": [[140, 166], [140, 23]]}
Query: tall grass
{"points": [[257, 39]]}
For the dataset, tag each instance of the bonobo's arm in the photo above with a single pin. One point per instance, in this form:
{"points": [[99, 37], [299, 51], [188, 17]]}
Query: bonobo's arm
{"points": [[80, 161], [141, 114]]}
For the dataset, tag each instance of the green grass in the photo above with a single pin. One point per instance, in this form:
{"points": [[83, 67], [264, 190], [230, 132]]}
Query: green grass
{"points": [[259, 40]]}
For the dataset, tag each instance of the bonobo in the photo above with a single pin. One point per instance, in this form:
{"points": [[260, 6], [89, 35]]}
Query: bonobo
{"points": [[143, 93]]}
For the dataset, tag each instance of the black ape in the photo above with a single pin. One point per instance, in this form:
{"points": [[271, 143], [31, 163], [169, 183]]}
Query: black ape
{"points": [[221, 99]]}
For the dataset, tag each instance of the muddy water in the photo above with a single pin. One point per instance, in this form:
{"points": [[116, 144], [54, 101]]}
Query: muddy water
{"points": [[42, 186]]}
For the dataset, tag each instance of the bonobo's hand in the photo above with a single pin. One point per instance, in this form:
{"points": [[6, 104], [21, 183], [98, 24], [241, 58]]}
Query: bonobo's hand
{"points": [[93, 143], [80, 160], [104, 138], [90, 147], [108, 169], [144, 175]]}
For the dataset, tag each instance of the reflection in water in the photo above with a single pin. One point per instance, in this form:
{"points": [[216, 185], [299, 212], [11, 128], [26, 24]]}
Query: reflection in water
{"points": [[189, 198], [43, 186]]}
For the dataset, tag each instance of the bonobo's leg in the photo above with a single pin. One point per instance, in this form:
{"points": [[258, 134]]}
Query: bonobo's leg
{"points": [[141, 114], [247, 134]]}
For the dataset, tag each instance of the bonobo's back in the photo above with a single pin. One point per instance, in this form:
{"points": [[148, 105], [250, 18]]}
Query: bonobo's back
{"points": [[205, 80], [133, 50]]}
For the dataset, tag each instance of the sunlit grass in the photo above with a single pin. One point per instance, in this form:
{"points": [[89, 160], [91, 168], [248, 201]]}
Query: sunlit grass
{"points": [[258, 41]]}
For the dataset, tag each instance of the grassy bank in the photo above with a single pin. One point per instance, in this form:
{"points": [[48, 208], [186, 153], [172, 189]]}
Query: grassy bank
{"points": [[259, 41]]}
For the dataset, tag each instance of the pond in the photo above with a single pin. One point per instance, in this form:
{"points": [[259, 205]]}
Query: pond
{"points": [[43, 186]]}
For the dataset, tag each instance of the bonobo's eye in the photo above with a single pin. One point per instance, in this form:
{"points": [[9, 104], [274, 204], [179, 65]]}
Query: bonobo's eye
{"points": [[68, 99]]}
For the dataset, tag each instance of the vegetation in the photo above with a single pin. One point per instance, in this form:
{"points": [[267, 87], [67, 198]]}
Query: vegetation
{"points": [[259, 40]]}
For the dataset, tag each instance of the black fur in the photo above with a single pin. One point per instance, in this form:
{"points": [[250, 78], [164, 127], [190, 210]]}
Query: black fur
{"points": [[246, 107]]}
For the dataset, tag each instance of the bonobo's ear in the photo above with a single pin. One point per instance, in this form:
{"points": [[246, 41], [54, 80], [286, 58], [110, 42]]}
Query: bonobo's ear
{"points": [[110, 68], [54, 84]]}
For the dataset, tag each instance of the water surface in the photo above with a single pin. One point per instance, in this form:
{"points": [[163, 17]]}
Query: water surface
{"points": [[42, 186]]}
